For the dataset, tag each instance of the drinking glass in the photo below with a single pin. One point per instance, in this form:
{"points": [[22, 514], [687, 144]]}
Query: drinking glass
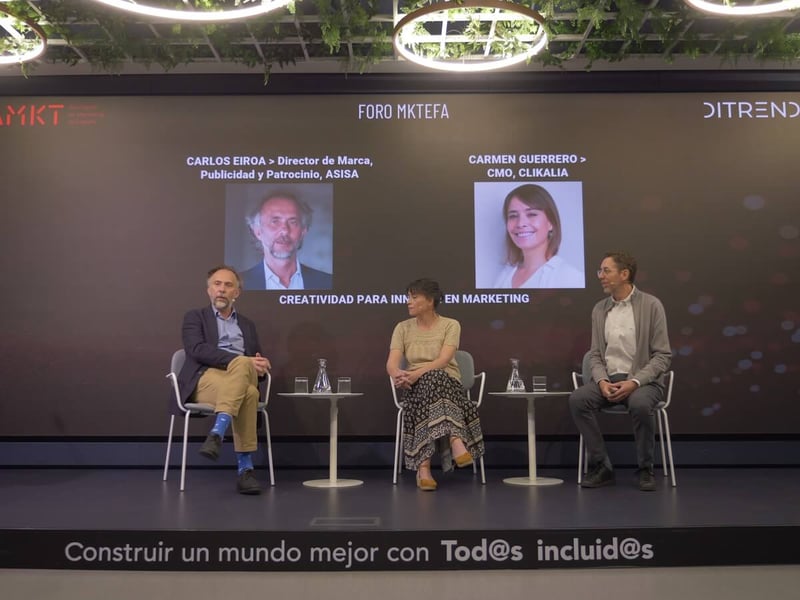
{"points": [[301, 385], [343, 385]]}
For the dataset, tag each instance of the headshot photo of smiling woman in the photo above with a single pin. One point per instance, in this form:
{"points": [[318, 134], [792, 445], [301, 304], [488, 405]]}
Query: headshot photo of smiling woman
{"points": [[541, 247]]}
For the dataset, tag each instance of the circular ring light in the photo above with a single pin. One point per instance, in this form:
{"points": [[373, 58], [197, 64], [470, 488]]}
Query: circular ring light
{"points": [[408, 42], [19, 29], [256, 8], [746, 10]]}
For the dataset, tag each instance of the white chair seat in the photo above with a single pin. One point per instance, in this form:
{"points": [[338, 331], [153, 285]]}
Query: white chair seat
{"points": [[621, 409], [205, 409]]}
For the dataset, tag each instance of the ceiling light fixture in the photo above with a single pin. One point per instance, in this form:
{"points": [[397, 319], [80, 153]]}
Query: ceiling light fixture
{"points": [[745, 10], [470, 35], [21, 40], [200, 14]]}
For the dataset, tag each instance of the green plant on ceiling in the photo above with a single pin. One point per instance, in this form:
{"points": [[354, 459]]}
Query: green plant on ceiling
{"points": [[260, 46], [20, 36], [595, 30], [615, 33], [606, 19], [768, 40], [349, 21], [468, 35], [610, 29], [110, 51], [476, 28], [509, 35], [107, 54]]}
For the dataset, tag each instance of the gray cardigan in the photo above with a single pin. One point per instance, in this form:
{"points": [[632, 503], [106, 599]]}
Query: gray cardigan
{"points": [[653, 352]]}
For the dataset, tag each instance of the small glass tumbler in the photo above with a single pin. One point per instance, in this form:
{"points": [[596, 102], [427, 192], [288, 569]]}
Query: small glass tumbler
{"points": [[301, 385], [343, 385], [539, 383]]}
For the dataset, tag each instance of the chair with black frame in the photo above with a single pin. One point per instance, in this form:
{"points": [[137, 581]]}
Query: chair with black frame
{"points": [[466, 365], [191, 409], [660, 410]]}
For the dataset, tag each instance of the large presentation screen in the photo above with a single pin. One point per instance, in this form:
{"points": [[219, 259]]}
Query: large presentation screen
{"points": [[115, 208]]}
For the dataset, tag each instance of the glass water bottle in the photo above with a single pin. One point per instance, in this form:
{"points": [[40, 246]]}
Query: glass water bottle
{"points": [[322, 383], [515, 383]]}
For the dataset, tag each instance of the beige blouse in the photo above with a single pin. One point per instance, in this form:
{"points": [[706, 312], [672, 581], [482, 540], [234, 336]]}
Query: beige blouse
{"points": [[423, 346]]}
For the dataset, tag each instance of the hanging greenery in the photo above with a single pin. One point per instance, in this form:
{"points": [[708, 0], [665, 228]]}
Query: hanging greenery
{"points": [[354, 32]]}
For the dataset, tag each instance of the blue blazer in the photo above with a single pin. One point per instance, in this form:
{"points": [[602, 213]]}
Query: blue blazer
{"points": [[313, 279], [200, 338]]}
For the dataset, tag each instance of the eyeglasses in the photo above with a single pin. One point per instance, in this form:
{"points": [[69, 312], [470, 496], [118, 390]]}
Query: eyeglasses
{"points": [[605, 271]]}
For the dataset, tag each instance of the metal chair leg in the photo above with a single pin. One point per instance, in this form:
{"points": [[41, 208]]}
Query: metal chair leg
{"points": [[669, 449], [661, 440], [169, 446], [183, 454], [397, 465], [269, 447]]}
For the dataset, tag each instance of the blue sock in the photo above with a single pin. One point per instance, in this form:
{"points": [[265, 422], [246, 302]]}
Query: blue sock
{"points": [[245, 461], [221, 424]]}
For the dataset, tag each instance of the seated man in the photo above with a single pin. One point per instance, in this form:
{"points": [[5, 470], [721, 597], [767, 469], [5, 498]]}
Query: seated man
{"points": [[222, 368], [629, 355]]}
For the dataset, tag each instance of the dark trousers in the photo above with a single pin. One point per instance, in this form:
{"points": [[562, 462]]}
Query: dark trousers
{"points": [[587, 400]]}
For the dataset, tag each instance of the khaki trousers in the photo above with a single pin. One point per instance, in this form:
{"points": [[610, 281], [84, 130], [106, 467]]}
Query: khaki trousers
{"points": [[234, 391]]}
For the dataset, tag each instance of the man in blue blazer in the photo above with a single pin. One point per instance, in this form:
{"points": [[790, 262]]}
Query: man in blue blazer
{"points": [[223, 367], [280, 226]]}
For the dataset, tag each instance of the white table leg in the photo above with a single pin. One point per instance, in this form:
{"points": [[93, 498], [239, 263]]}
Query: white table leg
{"points": [[531, 439], [532, 478], [333, 481], [333, 457]]}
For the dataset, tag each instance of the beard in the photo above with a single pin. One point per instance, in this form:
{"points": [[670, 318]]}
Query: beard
{"points": [[221, 303], [284, 254]]}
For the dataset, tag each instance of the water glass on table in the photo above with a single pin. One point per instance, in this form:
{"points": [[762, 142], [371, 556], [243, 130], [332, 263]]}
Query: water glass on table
{"points": [[301, 385], [343, 385]]}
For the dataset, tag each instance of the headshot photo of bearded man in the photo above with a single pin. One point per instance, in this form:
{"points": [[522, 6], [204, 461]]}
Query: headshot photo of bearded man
{"points": [[290, 237]]}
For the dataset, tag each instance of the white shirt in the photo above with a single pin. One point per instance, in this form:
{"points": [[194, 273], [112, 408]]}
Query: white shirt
{"points": [[620, 330], [274, 282], [555, 273]]}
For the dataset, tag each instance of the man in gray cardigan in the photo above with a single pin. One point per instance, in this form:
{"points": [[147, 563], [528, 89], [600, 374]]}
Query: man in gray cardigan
{"points": [[629, 355]]}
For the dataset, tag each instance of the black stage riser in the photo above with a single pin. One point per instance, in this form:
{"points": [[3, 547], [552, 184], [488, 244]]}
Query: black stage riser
{"points": [[397, 550]]}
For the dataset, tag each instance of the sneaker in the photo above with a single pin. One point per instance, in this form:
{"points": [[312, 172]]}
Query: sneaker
{"points": [[247, 483], [647, 483], [598, 476], [210, 448]]}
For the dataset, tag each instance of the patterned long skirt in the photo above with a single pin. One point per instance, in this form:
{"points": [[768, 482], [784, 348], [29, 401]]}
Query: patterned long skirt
{"points": [[434, 409]]}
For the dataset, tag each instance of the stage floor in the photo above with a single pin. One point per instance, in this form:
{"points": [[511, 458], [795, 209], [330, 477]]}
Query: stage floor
{"points": [[715, 508], [139, 499]]}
